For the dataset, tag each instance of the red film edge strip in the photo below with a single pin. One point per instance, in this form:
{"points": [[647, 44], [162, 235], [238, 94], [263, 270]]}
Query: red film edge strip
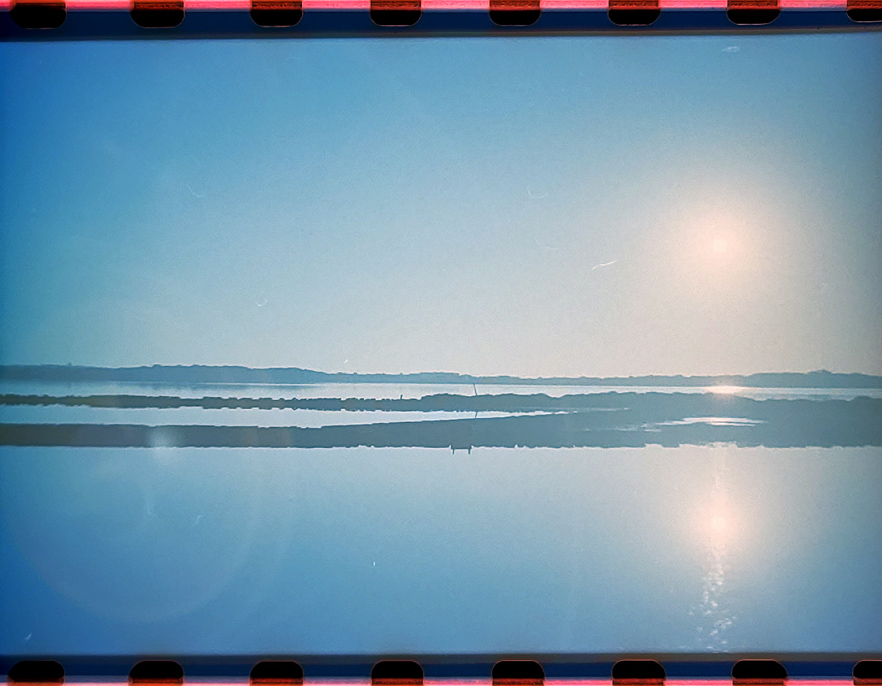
{"points": [[508, 5], [265, 5], [458, 682], [381, 5], [484, 5]]}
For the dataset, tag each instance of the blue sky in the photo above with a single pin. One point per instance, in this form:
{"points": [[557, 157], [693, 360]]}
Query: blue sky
{"points": [[551, 206]]}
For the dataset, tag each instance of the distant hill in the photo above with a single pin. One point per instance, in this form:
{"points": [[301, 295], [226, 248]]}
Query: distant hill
{"points": [[202, 374]]}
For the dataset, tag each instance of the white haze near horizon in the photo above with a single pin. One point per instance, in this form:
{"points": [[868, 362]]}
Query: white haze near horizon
{"points": [[542, 207]]}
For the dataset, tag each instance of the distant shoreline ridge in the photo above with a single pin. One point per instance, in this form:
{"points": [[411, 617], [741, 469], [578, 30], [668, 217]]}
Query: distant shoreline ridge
{"points": [[229, 374]]}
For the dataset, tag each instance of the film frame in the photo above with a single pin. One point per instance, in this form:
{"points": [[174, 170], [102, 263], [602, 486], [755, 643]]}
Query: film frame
{"points": [[289, 19]]}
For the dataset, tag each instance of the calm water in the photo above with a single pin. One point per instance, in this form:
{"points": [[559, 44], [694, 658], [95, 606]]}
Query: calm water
{"points": [[420, 550], [382, 390]]}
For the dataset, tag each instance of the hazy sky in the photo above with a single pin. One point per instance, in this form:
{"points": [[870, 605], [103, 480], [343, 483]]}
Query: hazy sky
{"points": [[550, 206]]}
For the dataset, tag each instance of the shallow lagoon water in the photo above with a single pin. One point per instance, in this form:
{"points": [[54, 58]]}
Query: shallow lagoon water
{"points": [[406, 390], [697, 548], [53, 414], [415, 550]]}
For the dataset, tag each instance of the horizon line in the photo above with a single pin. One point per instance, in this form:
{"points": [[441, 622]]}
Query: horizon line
{"points": [[464, 375]]}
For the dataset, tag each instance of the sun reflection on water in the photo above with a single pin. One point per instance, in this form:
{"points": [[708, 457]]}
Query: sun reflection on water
{"points": [[718, 528], [725, 390]]}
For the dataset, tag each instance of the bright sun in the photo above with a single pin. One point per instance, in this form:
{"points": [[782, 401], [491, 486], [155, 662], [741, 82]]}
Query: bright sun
{"points": [[720, 246], [716, 240], [719, 250]]}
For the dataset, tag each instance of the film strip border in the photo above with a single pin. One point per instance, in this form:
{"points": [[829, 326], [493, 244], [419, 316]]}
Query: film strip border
{"points": [[152, 14], [402, 672]]}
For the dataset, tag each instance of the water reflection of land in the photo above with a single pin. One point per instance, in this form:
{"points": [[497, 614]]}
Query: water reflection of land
{"points": [[590, 420]]}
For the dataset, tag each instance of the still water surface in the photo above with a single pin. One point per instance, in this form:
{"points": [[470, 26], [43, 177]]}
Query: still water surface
{"points": [[411, 390], [698, 548]]}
